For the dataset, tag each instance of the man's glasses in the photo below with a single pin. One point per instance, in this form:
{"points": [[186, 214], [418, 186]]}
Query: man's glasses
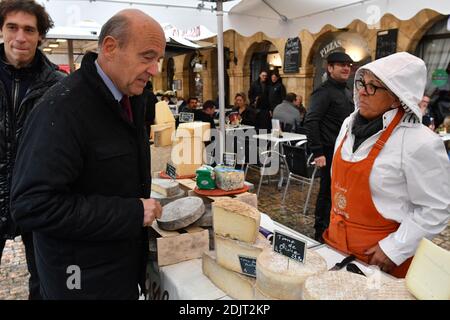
{"points": [[368, 87]]}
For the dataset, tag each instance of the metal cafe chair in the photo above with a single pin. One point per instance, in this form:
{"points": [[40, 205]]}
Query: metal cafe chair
{"points": [[300, 168]]}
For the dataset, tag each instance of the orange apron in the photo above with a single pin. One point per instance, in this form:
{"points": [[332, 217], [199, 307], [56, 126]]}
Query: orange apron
{"points": [[355, 223]]}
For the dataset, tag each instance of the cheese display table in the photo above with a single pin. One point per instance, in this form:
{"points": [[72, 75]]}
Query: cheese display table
{"points": [[186, 281]]}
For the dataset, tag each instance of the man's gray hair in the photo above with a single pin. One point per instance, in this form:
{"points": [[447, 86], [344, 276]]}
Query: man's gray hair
{"points": [[116, 27]]}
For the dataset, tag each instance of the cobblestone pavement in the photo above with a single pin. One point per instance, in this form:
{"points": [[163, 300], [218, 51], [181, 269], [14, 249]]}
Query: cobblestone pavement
{"points": [[14, 274]]}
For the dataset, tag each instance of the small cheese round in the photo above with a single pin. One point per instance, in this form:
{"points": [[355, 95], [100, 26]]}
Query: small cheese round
{"points": [[279, 277], [181, 213], [336, 285]]}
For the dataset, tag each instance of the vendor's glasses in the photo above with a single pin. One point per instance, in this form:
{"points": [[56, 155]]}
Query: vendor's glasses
{"points": [[368, 87]]}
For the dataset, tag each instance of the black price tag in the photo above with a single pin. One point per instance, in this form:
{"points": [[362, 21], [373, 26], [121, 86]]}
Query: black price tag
{"points": [[229, 159], [248, 265], [186, 117], [171, 171], [290, 247]]}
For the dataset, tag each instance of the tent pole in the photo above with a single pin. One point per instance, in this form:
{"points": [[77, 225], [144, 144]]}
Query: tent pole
{"points": [[70, 55], [221, 78]]}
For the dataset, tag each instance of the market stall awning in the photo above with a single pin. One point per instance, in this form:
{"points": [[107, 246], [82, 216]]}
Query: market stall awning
{"points": [[276, 18]]}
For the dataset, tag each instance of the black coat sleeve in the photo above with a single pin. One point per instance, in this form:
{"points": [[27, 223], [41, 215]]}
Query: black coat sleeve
{"points": [[49, 162], [319, 105]]}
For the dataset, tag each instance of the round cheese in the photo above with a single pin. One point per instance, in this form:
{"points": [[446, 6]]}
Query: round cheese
{"points": [[181, 213], [279, 277], [336, 285], [392, 290]]}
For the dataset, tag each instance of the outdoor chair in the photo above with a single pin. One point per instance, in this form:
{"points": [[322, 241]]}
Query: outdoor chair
{"points": [[300, 168]]}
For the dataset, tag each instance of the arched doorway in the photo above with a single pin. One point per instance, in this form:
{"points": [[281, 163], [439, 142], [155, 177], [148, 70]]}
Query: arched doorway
{"points": [[434, 49], [341, 41], [259, 59]]}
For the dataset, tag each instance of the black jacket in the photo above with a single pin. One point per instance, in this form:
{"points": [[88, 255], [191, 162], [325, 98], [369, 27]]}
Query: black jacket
{"points": [[260, 91], [248, 116], [80, 172], [330, 104], [277, 93], [19, 92]]}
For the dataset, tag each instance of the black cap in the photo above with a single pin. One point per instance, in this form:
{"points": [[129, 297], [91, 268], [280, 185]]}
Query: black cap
{"points": [[339, 57]]}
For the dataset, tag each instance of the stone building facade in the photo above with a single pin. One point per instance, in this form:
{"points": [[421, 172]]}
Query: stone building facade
{"points": [[241, 51]]}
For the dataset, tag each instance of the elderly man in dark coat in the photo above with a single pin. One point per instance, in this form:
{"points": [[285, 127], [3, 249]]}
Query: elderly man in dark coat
{"points": [[82, 181]]}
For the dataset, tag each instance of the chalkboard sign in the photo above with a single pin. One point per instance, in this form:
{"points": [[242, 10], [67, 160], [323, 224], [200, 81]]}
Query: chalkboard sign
{"points": [[171, 171], [186, 117], [292, 55], [248, 265], [386, 43], [229, 159], [289, 246]]}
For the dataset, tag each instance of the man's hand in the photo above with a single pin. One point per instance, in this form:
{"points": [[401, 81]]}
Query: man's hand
{"points": [[320, 161], [152, 211], [380, 259]]}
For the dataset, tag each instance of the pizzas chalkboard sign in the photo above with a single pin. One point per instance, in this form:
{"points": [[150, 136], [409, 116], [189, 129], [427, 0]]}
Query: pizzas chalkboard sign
{"points": [[248, 265], [171, 171], [290, 247], [292, 55], [386, 43]]}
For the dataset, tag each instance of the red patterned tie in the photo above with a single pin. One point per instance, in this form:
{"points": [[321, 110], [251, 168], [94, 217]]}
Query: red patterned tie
{"points": [[126, 105]]}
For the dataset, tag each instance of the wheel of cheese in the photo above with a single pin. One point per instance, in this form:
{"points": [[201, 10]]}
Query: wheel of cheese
{"points": [[336, 285], [392, 290], [279, 277], [181, 213]]}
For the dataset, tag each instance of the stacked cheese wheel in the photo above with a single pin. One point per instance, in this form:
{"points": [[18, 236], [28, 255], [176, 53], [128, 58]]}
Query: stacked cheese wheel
{"points": [[279, 277], [236, 228]]}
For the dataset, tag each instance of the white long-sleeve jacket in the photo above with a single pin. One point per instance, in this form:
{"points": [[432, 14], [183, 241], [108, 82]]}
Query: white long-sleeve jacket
{"points": [[409, 182]]}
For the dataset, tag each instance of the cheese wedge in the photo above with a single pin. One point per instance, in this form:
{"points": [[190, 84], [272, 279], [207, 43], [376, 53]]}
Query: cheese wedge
{"points": [[236, 220], [428, 277], [232, 283], [166, 187]]}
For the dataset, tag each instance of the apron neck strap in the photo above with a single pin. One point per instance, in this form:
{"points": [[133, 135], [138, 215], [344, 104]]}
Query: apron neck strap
{"points": [[379, 144]]}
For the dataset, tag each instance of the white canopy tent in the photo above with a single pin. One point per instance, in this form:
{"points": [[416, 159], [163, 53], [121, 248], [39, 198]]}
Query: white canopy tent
{"points": [[276, 18]]}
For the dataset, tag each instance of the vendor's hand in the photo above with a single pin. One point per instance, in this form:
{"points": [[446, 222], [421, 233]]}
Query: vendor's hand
{"points": [[152, 211], [379, 258], [320, 161]]}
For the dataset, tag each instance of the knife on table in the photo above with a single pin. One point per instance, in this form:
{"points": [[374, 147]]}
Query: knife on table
{"points": [[343, 263]]}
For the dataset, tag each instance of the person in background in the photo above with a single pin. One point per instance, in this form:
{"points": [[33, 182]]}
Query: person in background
{"points": [[390, 176], [259, 100], [86, 155], [299, 103], [330, 104], [25, 75], [259, 88], [288, 113], [246, 113], [277, 90], [190, 106], [206, 114], [440, 101], [427, 119]]}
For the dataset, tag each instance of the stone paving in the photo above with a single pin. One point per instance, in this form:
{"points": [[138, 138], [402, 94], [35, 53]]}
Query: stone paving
{"points": [[14, 274]]}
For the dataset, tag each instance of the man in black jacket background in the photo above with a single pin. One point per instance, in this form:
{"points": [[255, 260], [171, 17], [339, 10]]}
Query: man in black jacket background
{"points": [[82, 178], [25, 75], [330, 104]]}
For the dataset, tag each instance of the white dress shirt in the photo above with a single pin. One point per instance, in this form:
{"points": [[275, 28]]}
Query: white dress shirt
{"points": [[409, 182]]}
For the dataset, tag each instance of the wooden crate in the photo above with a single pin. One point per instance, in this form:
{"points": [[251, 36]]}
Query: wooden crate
{"points": [[176, 246]]}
